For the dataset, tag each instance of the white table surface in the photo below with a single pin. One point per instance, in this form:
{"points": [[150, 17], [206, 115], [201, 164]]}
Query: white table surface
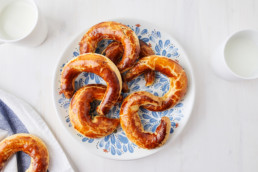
{"points": [[222, 132]]}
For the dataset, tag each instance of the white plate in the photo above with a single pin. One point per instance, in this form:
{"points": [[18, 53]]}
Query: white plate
{"points": [[116, 145]]}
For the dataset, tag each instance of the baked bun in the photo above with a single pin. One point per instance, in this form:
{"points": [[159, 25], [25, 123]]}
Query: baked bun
{"points": [[31, 145], [80, 113], [115, 31], [129, 118], [100, 65]]}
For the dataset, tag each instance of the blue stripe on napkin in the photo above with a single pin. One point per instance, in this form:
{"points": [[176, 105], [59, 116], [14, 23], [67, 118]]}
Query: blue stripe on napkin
{"points": [[11, 123]]}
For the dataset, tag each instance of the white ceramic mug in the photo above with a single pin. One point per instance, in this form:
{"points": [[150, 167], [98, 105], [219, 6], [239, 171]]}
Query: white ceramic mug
{"points": [[237, 56], [21, 23]]}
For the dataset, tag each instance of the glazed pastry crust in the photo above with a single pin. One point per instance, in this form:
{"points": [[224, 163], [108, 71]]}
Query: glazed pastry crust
{"points": [[31, 145], [115, 50], [115, 31], [79, 113], [146, 50], [131, 122], [168, 67], [129, 118], [100, 65]]}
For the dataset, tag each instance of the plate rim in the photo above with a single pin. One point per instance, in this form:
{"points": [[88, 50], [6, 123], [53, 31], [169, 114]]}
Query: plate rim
{"points": [[189, 69]]}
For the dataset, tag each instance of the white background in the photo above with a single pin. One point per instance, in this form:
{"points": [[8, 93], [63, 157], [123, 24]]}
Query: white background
{"points": [[222, 132]]}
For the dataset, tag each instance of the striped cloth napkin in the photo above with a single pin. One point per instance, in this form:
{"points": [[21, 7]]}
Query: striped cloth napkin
{"points": [[16, 116]]}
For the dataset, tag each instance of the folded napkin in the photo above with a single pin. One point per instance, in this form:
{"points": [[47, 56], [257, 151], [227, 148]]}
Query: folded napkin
{"points": [[16, 116]]}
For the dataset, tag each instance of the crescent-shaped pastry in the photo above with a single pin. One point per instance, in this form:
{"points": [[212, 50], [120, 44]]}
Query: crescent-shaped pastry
{"points": [[131, 122], [115, 31], [115, 50], [29, 144], [100, 65], [168, 67], [80, 117], [129, 118]]}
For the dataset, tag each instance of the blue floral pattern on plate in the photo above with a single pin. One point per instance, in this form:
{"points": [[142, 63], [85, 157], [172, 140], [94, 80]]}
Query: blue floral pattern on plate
{"points": [[117, 143]]}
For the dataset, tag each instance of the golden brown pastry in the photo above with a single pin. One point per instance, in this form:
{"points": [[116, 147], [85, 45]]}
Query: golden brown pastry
{"points": [[129, 118], [29, 144], [131, 122], [168, 67], [115, 31], [146, 50], [100, 65], [115, 50], [79, 112]]}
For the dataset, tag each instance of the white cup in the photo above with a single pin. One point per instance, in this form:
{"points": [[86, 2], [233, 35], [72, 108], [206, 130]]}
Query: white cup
{"points": [[237, 57], [21, 23]]}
